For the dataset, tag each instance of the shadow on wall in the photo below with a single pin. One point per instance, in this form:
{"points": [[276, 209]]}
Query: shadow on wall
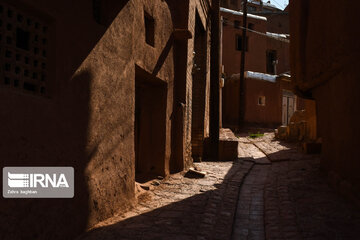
{"points": [[54, 218], [51, 132]]}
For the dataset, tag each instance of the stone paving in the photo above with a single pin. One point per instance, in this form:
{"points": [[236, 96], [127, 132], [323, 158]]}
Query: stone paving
{"points": [[273, 191], [182, 207], [298, 202], [249, 220], [302, 205]]}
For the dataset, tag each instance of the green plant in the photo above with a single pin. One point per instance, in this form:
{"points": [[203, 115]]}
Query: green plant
{"points": [[256, 135]]}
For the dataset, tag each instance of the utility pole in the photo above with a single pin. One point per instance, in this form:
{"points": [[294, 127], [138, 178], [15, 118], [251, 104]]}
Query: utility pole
{"points": [[222, 82], [242, 97], [214, 79]]}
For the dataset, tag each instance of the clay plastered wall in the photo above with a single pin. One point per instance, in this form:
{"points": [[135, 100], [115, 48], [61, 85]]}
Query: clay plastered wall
{"points": [[230, 104], [88, 121], [285, 84], [195, 6], [271, 112], [324, 61], [114, 103], [278, 23], [283, 54], [268, 115], [255, 57]]}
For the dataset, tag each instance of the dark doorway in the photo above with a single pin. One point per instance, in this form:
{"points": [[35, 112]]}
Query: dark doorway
{"points": [[198, 90], [271, 61], [150, 126]]}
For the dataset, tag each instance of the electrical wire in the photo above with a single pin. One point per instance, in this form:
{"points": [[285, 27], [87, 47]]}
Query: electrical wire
{"points": [[259, 33]]}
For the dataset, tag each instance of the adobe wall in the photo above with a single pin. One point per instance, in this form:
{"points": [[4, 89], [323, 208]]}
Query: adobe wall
{"points": [[256, 54], [230, 103], [325, 64], [255, 61], [283, 54], [86, 119], [179, 14], [277, 22], [301, 103], [270, 113], [196, 7], [236, 5]]}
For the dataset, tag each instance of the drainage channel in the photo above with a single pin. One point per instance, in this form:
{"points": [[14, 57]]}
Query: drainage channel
{"points": [[249, 216]]}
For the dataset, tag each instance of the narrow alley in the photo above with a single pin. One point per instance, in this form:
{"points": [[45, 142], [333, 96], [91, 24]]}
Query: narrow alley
{"points": [[184, 120], [272, 191]]}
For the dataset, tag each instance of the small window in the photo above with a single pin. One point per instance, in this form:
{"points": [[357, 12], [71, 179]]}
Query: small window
{"points": [[251, 9], [261, 101], [8, 54], [16, 83], [6, 81], [251, 26], [149, 29], [225, 21], [270, 61], [22, 39], [239, 42], [20, 17], [7, 67], [42, 90], [236, 24], [8, 40], [10, 13], [30, 87], [24, 51]]}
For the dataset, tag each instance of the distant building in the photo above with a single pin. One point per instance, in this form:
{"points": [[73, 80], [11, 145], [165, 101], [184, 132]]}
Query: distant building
{"points": [[254, 6], [267, 57], [259, 6], [119, 90]]}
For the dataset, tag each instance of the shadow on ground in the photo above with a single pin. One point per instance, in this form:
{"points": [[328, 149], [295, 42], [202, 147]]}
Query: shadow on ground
{"points": [[206, 213]]}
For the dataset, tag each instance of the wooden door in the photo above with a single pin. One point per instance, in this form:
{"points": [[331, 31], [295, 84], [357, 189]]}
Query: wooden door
{"points": [[288, 106]]}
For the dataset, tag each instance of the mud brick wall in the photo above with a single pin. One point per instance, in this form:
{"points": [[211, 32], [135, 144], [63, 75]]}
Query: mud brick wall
{"points": [[324, 62], [82, 113]]}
